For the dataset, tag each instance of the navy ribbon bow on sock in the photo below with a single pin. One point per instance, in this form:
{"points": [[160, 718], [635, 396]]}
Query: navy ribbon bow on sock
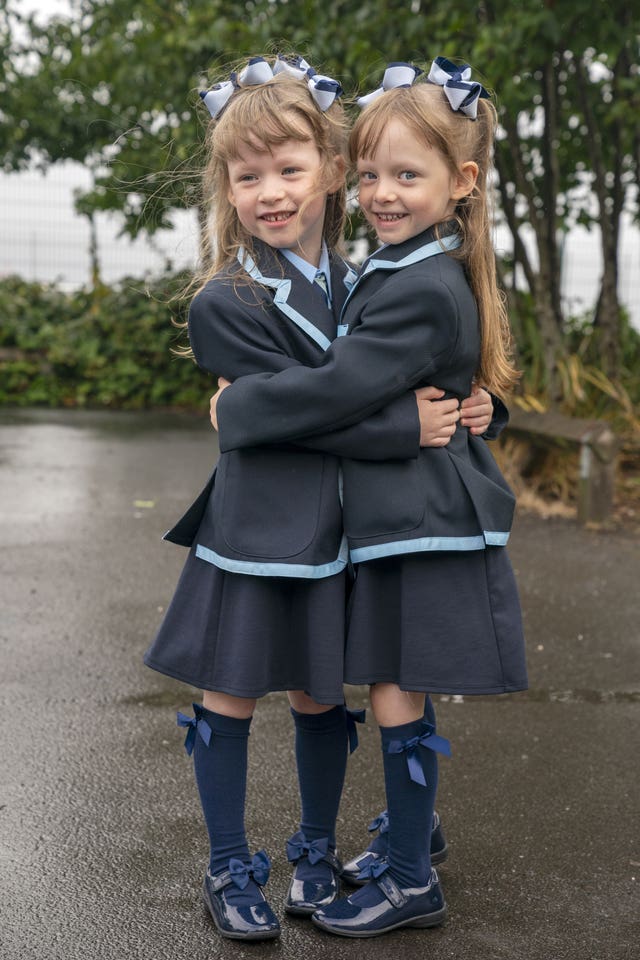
{"points": [[195, 725], [429, 739], [259, 869], [381, 823]]}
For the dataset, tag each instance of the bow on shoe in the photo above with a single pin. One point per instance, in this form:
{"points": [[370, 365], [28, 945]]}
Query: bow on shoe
{"points": [[428, 739], [353, 717], [324, 90], [195, 725], [298, 846], [259, 869], [372, 868], [397, 74], [461, 92]]}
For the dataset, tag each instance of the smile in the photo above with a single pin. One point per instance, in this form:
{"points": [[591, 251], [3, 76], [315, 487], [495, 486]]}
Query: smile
{"points": [[390, 217], [277, 217]]}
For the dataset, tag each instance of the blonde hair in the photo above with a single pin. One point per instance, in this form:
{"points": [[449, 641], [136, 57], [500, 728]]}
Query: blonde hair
{"points": [[259, 118], [424, 109]]}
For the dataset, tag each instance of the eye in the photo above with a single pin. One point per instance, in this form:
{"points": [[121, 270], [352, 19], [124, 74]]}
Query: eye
{"points": [[367, 175], [407, 175], [247, 178], [288, 171]]}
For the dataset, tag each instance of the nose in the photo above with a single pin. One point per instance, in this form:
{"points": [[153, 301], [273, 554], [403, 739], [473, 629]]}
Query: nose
{"points": [[271, 189], [385, 191]]}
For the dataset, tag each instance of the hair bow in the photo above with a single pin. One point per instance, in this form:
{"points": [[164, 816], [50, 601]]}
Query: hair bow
{"points": [[259, 869], [324, 90], [397, 74], [196, 725], [462, 92]]}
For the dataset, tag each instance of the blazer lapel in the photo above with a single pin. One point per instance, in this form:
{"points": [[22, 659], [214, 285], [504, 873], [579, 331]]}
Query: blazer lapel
{"points": [[301, 302]]}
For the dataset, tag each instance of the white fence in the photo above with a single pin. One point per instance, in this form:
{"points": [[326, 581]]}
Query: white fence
{"points": [[43, 239]]}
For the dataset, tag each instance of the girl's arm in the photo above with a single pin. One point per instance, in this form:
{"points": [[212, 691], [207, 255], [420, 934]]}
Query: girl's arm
{"points": [[226, 339], [404, 338]]}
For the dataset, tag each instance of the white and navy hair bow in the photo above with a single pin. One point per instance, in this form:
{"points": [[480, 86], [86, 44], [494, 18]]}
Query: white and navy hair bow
{"points": [[324, 90], [397, 74], [461, 92]]}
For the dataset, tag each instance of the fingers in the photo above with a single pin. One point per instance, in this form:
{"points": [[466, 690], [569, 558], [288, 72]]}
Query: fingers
{"points": [[428, 393], [222, 383]]}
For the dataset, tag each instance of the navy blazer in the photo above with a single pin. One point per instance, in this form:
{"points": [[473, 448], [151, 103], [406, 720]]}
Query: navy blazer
{"points": [[411, 320], [276, 510]]}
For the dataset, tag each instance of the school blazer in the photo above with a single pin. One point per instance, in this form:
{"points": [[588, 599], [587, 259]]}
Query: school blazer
{"points": [[411, 320], [275, 510]]}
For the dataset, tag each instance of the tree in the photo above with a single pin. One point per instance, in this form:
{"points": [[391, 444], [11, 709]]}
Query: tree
{"points": [[115, 87]]}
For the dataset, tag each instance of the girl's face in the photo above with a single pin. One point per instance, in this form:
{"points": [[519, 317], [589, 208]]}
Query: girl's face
{"points": [[406, 187], [276, 195]]}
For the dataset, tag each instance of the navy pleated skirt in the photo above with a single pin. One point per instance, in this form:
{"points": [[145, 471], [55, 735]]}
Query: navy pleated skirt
{"points": [[247, 636], [437, 622]]}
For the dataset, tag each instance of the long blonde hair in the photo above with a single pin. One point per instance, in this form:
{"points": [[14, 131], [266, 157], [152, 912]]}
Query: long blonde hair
{"points": [[261, 117], [425, 110]]}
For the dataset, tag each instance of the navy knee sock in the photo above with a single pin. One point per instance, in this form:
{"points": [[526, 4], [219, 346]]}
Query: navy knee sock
{"points": [[409, 806], [321, 759], [221, 775], [380, 843]]}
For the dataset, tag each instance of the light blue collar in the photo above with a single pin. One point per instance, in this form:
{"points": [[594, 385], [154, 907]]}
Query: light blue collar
{"points": [[307, 269]]}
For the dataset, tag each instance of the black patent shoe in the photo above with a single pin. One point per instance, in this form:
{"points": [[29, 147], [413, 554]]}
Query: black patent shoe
{"points": [[377, 850], [399, 907], [311, 889], [254, 921]]}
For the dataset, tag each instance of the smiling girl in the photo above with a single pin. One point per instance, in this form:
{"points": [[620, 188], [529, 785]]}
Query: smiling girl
{"points": [[434, 606]]}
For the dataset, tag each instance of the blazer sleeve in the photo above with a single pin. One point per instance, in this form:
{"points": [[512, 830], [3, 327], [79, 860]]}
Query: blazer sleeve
{"points": [[231, 342], [407, 331], [499, 420]]}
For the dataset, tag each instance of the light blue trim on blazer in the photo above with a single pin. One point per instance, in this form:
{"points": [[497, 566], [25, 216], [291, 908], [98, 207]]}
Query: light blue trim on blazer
{"points": [[423, 544], [254, 568], [282, 289], [422, 253]]}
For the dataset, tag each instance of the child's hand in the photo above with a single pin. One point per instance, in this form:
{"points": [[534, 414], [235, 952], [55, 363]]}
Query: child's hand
{"points": [[213, 403], [476, 411], [438, 418]]}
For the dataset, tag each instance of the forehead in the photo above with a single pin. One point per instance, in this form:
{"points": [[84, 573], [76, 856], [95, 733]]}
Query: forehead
{"points": [[254, 150], [393, 141]]}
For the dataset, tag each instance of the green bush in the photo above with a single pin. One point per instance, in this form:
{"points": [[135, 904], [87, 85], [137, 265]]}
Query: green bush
{"points": [[108, 347]]}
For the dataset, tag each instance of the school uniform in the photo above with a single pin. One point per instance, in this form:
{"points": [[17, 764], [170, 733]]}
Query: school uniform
{"points": [[260, 604], [434, 606]]}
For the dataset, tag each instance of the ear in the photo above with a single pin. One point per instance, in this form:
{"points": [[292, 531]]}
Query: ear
{"points": [[465, 180], [338, 171], [231, 197]]}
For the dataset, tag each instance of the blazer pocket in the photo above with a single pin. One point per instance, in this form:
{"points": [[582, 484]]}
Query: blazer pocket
{"points": [[382, 498], [270, 502]]}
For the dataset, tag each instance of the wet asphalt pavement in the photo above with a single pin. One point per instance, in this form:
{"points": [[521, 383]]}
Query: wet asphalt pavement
{"points": [[102, 847]]}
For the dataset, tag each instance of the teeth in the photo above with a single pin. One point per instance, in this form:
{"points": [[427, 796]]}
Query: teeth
{"points": [[390, 216], [276, 217]]}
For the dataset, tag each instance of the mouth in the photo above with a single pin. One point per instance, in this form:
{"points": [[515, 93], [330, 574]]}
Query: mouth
{"points": [[281, 217], [389, 217]]}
